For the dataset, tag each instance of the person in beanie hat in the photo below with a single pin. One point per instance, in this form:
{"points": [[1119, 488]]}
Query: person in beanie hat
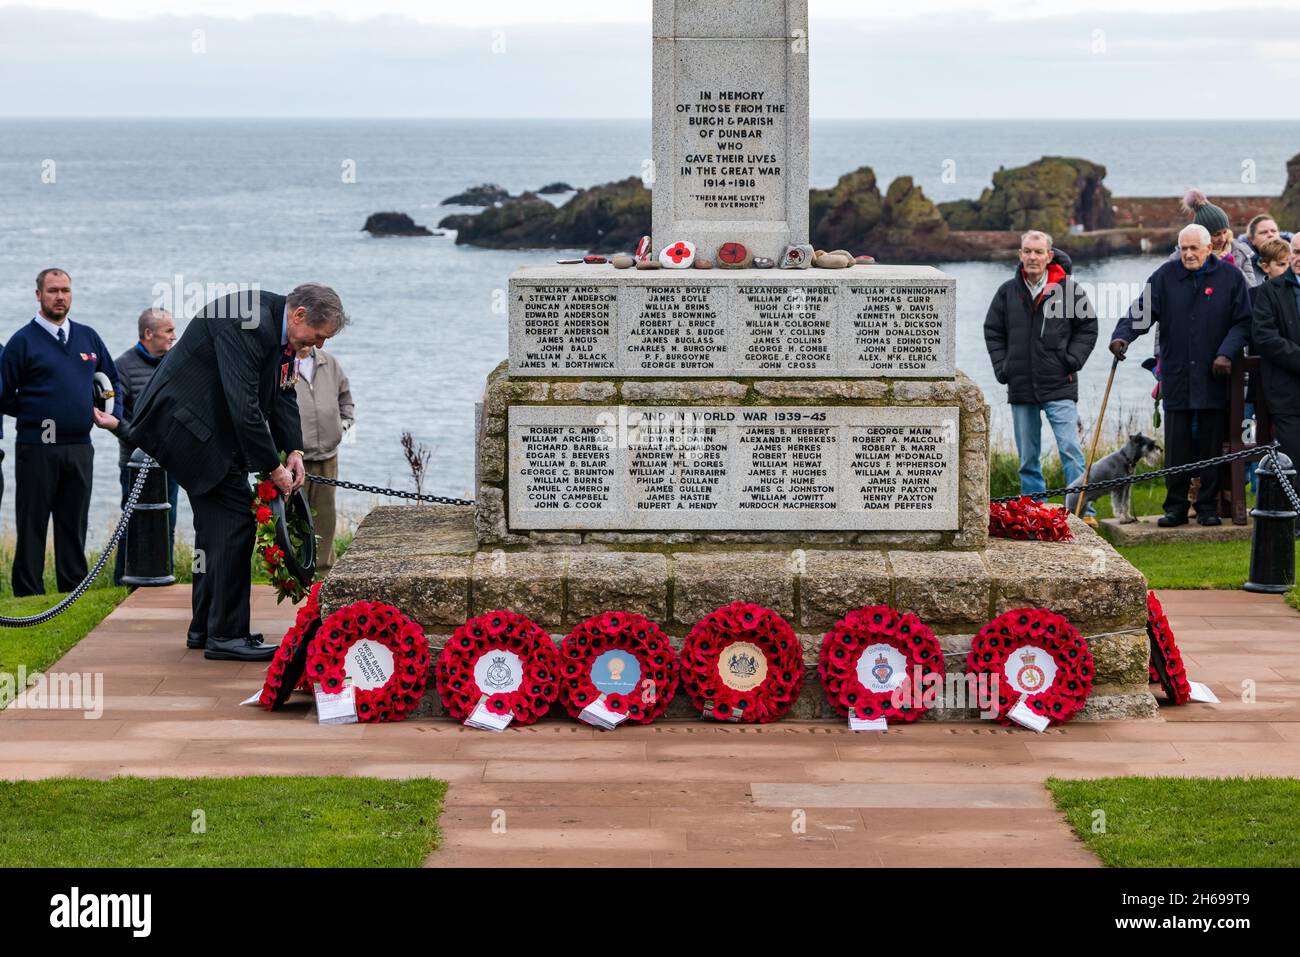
{"points": [[1204, 213]]}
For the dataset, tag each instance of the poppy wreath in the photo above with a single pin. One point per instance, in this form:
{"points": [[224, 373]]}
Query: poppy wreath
{"points": [[1166, 665], [288, 669], [269, 541], [1028, 520], [503, 657], [844, 656], [584, 663], [372, 621], [757, 651], [1065, 681]]}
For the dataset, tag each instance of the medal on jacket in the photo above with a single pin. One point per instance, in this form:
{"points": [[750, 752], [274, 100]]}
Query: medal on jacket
{"points": [[288, 370]]}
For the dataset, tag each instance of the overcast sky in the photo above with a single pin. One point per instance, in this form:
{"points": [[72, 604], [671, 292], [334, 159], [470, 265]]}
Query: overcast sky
{"points": [[1175, 59]]}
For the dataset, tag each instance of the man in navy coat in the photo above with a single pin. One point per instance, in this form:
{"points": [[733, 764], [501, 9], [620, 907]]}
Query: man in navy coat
{"points": [[1203, 308]]}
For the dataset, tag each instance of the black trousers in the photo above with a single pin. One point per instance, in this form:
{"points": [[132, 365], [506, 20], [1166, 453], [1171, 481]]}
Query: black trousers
{"points": [[1286, 429], [52, 480], [223, 547], [1182, 447]]}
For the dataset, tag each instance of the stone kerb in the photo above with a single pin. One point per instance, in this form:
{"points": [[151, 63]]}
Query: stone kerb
{"points": [[504, 392]]}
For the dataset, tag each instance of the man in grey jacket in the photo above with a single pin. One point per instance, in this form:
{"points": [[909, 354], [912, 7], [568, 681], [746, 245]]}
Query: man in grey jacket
{"points": [[135, 367], [326, 410]]}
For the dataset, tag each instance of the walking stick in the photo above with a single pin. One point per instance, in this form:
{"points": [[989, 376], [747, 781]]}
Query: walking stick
{"points": [[1096, 436]]}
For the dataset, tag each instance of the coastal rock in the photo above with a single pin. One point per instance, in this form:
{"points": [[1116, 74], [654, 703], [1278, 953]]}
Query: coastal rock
{"points": [[843, 215], [553, 189], [734, 256], [486, 194], [678, 255], [612, 216], [1049, 194], [703, 263], [1287, 208], [832, 261], [648, 264], [623, 261], [797, 257], [393, 224]]}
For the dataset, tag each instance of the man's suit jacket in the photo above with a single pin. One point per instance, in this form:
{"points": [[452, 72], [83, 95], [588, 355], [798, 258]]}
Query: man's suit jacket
{"points": [[215, 402], [1275, 338]]}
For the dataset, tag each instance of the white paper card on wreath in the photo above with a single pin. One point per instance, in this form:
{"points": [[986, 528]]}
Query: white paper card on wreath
{"points": [[881, 668], [1200, 692], [338, 708], [369, 664], [867, 724], [1030, 669], [597, 714], [498, 671], [485, 720], [254, 698], [1023, 716]]}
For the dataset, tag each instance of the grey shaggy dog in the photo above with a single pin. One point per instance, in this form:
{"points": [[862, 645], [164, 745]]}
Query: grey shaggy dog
{"points": [[1138, 448]]}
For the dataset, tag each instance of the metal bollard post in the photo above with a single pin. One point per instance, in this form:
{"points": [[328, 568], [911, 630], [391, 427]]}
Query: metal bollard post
{"points": [[1272, 545], [148, 533]]}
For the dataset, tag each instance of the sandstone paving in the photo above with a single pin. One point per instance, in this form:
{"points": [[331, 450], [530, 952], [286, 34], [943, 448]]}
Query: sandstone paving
{"points": [[681, 793]]}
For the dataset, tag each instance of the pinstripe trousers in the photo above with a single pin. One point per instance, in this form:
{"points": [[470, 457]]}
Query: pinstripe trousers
{"points": [[224, 531]]}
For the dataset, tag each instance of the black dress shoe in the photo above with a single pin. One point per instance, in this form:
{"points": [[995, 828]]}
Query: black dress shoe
{"points": [[1208, 520], [239, 649], [1171, 520], [195, 640]]}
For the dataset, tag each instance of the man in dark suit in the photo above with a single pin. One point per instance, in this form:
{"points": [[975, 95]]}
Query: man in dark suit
{"points": [[221, 406], [1275, 337]]}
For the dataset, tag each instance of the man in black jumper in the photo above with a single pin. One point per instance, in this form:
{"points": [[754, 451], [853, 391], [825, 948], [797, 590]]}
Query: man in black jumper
{"points": [[135, 367], [1276, 339], [222, 405], [48, 371]]}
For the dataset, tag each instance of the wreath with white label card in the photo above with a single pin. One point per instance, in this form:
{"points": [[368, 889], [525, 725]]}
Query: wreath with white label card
{"points": [[502, 663], [288, 669], [742, 662], [876, 663], [1043, 667], [375, 652], [1166, 664], [617, 662]]}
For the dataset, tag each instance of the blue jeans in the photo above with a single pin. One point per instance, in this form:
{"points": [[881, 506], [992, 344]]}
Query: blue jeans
{"points": [[1063, 416]]}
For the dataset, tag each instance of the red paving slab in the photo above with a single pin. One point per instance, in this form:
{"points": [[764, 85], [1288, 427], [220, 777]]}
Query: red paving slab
{"points": [[680, 794]]}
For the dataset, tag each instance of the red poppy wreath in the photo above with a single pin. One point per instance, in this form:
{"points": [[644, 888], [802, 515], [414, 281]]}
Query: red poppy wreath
{"points": [[1166, 665], [1037, 655], [379, 651], [288, 669], [1028, 520], [742, 663], [622, 659], [503, 659], [877, 662]]}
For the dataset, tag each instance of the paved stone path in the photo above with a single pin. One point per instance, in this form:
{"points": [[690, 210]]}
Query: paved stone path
{"points": [[681, 793]]}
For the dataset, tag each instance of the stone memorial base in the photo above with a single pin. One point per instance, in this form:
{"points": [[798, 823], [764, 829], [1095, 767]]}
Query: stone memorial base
{"points": [[428, 562], [1145, 531]]}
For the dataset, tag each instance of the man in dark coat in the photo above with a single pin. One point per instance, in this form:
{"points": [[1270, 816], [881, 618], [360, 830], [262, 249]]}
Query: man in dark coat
{"points": [[1275, 338], [1202, 306], [1040, 330], [221, 406]]}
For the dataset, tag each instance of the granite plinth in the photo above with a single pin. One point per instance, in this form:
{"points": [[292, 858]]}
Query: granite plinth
{"points": [[867, 321], [426, 561]]}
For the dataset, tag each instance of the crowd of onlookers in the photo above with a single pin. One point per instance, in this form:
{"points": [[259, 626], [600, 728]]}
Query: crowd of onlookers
{"points": [[47, 373], [1218, 296]]}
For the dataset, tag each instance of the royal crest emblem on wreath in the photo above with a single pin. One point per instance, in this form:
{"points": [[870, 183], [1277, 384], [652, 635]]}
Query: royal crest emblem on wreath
{"points": [[498, 673], [742, 665], [882, 670], [1030, 676]]}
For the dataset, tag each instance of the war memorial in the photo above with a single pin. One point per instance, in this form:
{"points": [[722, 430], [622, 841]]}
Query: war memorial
{"points": [[731, 415]]}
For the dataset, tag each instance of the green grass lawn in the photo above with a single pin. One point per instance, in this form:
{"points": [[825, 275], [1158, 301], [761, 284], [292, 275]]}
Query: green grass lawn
{"points": [[40, 646], [219, 822], [1186, 822], [1191, 564]]}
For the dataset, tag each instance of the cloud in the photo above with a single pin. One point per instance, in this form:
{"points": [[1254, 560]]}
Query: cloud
{"points": [[962, 65]]}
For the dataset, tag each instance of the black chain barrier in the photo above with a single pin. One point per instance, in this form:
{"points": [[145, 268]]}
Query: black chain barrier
{"points": [[1286, 486], [133, 497], [1269, 450], [391, 492]]}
